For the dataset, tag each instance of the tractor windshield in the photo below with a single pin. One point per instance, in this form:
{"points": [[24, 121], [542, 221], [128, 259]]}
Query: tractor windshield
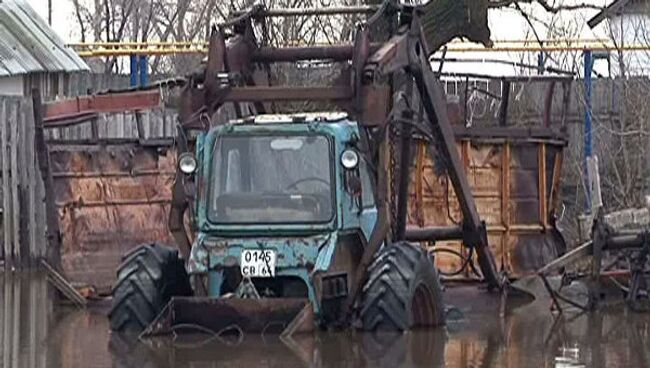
{"points": [[271, 179]]}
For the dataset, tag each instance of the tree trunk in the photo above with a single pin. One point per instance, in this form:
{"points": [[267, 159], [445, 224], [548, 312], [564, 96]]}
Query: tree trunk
{"points": [[444, 20]]}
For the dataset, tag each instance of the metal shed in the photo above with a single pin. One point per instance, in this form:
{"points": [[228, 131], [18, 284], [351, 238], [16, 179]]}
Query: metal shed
{"points": [[32, 54]]}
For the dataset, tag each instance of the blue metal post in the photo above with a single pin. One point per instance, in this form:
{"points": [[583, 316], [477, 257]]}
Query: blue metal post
{"points": [[144, 71], [540, 63], [134, 70], [588, 144]]}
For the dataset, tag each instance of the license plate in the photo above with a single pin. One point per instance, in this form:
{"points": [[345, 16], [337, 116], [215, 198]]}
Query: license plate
{"points": [[257, 263]]}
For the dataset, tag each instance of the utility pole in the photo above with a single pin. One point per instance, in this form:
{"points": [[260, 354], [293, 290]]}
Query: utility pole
{"points": [[49, 12]]}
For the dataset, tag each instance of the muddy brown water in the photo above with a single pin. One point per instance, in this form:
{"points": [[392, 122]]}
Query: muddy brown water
{"points": [[36, 333]]}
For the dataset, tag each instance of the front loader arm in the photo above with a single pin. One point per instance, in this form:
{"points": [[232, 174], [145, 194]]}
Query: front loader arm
{"points": [[407, 52], [474, 230]]}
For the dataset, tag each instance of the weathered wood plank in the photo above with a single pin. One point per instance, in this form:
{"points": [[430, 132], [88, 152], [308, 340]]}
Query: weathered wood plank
{"points": [[43, 157], [30, 169], [6, 188], [34, 305], [3, 302], [7, 319], [24, 185], [63, 286], [15, 344], [39, 216], [43, 318], [13, 122], [6, 220]]}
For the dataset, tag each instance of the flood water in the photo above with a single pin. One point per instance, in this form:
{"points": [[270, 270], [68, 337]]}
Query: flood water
{"points": [[36, 333]]}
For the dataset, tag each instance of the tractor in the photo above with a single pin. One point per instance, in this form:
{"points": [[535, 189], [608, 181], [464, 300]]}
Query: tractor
{"points": [[290, 220]]}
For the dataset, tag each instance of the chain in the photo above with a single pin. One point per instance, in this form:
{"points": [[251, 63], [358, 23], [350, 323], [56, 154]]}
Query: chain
{"points": [[393, 171]]}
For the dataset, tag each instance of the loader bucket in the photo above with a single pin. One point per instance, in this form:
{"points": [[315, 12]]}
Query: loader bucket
{"points": [[265, 315]]}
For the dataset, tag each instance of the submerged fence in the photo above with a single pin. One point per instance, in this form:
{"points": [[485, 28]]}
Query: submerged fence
{"points": [[22, 192], [25, 317]]}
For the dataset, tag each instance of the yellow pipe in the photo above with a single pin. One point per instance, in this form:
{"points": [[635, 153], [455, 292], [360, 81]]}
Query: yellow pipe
{"points": [[86, 45], [151, 52], [103, 49]]}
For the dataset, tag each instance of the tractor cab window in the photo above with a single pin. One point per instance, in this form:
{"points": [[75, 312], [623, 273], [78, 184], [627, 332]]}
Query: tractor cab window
{"points": [[271, 179]]}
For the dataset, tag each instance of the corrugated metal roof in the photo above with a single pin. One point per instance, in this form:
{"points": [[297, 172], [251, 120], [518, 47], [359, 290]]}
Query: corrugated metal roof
{"points": [[28, 44]]}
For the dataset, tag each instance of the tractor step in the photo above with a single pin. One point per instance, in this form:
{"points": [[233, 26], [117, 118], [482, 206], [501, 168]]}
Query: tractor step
{"points": [[264, 315]]}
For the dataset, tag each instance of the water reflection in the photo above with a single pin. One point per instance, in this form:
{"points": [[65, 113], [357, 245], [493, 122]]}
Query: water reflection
{"points": [[33, 333], [24, 312]]}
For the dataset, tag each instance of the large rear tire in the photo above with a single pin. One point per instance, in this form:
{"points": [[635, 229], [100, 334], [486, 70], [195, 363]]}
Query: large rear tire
{"points": [[146, 280], [402, 290]]}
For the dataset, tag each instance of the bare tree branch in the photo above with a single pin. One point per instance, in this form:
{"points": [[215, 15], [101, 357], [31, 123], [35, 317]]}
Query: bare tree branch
{"points": [[544, 4]]}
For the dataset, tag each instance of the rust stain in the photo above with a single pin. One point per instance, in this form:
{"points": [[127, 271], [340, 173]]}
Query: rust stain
{"points": [[508, 177], [111, 198]]}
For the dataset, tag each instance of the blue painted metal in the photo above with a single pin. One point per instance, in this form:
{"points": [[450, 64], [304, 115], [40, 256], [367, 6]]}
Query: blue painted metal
{"points": [[588, 143], [144, 71], [215, 280], [303, 250], [133, 70]]}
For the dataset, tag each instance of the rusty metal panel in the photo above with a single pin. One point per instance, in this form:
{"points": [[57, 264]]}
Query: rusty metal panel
{"points": [[110, 198], [86, 106], [512, 180]]}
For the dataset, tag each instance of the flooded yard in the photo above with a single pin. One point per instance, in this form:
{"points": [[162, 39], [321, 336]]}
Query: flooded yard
{"points": [[36, 333]]}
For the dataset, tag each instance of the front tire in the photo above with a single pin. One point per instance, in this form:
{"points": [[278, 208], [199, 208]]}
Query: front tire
{"points": [[402, 290], [146, 280]]}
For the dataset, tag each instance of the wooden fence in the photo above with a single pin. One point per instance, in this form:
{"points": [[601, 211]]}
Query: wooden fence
{"points": [[22, 192], [23, 229]]}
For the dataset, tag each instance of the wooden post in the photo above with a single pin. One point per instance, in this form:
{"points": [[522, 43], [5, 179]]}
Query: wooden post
{"points": [[43, 156], [6, 191], [15, 202], [31, 181], [25, 184]]}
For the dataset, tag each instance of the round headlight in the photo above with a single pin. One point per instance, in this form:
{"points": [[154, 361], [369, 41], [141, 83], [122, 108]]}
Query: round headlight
{"points": [[187, 163], [350, 159]]}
